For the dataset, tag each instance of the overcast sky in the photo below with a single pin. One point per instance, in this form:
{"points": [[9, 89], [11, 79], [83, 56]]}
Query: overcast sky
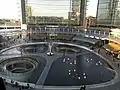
{"points": [[10, 8]]}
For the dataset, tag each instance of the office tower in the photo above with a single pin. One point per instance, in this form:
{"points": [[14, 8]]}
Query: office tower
{"points": [[23, 14], [76, 15], [78, 12], [26, 10], [108, 13], [32, 13]]}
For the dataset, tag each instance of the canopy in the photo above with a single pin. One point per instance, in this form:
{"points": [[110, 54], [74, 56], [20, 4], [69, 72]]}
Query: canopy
{"points": [[113, 47], [86, 39]]}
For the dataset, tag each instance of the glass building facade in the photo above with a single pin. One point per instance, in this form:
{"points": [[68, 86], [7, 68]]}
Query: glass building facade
{"points": [[108, 13], [78, 12], [53, 11], [44, 11]]}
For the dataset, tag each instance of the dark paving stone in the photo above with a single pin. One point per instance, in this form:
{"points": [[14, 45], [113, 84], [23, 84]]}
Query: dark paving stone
{"points": [[85, 69], [37, 72], [90, 69], [34, 75]]}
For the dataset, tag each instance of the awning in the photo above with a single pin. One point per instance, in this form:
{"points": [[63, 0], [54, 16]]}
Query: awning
{"points": [[113, 47], [86, 39]]}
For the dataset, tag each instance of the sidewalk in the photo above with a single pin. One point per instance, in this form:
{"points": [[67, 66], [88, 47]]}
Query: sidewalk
{"points": [[110, 58]]}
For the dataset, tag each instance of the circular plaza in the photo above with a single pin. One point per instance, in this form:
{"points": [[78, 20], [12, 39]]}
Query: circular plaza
{"points": [[70, 65]]}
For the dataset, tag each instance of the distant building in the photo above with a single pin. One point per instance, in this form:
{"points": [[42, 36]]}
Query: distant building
{"points": [[115, 32], [31, 14], [28, 12], [45, 20], [10, 22], [108, 13], [78, 12], [2, 21], [15, 22], [23, 11], [90, 21], [76, 15]]}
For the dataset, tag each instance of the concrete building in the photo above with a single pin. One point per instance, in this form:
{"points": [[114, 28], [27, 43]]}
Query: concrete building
{"points": [[108, 13], [90, 21], [10, 22]]}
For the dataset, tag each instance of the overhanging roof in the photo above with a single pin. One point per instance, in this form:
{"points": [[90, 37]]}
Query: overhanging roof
{"points": [[86, 39], [113, 47]]}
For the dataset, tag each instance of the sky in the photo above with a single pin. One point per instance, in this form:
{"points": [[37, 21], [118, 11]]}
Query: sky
{"points": [[43, 7]]}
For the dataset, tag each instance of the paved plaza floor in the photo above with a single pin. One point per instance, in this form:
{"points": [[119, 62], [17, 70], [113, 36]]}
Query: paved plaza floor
{"points": [[68, 70]]}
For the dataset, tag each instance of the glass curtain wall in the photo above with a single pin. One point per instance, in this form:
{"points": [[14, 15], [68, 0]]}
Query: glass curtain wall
{"points": [[54, 11], [108, 12], [45, 11]]}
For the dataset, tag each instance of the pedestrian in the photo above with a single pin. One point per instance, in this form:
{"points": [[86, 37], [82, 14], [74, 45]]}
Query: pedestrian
{"points": [[113, 59], [118, 65], [2, 84], [28, 86], [99, 50], [12, 81], [20, 88], [107, 52], [83, 88], [16, 84]]}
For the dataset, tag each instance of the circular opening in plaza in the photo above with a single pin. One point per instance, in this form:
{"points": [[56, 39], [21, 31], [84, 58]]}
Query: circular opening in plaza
{"points": [[19, 65]]}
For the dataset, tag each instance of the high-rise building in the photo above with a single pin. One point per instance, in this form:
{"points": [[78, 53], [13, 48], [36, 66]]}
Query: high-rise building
{"points": [[28, 12], [108, 13], [78, 11], [76, 15], [32, 13], [44, 20]]}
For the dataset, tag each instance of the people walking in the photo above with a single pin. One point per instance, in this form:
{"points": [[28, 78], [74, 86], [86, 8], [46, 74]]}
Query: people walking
{"points": [[99, 50], [83, 88], [118, 64]]}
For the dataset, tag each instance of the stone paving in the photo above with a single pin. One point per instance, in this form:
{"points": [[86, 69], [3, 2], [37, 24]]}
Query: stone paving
{"points": [[110, 58], [115, 87]]}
